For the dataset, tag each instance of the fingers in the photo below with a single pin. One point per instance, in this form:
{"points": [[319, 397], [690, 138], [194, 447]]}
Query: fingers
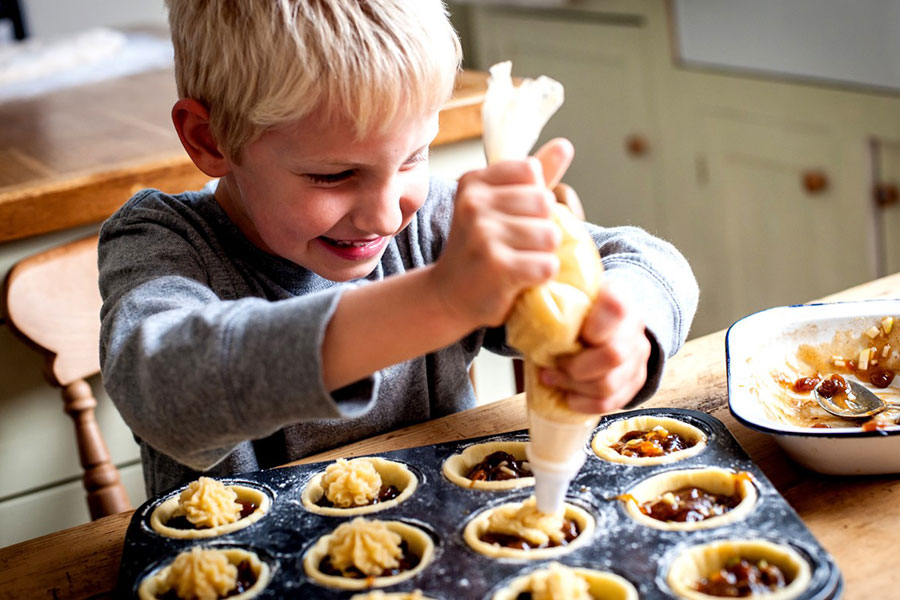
{"points": [[555, 157], [566, 195], [613, 366]]}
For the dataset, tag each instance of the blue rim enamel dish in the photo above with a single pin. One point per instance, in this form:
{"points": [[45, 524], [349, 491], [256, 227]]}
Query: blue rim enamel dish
{"points": [[762, 343]]}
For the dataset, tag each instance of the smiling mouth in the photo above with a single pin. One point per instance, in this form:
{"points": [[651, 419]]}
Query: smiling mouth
{"points": [[350, 243]]}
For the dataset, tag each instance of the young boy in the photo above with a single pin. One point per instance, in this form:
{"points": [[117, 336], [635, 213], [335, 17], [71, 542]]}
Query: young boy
{"points": [[326, 289]]}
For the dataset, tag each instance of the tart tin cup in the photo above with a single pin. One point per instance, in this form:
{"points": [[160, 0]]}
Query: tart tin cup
{"points": [[618, 544], [392, 473], [150, 582], [245, 490]]}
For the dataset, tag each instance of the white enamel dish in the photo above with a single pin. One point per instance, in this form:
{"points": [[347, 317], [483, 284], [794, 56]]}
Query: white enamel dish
{"points": [[762, 342]]}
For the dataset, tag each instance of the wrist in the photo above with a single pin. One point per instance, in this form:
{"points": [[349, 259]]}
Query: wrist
{"points": [[447, 308]]}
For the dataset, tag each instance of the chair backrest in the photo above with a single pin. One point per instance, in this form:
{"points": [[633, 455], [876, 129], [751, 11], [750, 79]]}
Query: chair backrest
{"points": [[52, 302]]}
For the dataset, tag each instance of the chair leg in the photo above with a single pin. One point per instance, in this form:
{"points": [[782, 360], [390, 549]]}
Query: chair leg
{"points": [[105, 493]]}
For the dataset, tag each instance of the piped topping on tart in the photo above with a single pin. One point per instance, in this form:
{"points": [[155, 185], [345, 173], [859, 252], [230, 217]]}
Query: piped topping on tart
{"points": [[740, 577], [524, 527], [499, 466], [354, 483], [205, 574], [366, 548], [557, 582], [658, 441], [207, 503]]}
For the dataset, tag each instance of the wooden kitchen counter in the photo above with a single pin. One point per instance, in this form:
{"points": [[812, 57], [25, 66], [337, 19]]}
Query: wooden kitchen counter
{"points": [[73, 156], [855, 518]]}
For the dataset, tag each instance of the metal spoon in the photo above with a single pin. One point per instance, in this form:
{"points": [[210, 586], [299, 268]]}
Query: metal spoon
{"points": [[861, 402]]}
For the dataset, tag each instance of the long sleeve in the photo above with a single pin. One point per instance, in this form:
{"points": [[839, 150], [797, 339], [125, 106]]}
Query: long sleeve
{"points": [[194, 372]]}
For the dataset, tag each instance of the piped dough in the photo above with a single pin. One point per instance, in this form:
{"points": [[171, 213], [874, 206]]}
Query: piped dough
{"points": [[699, 562], [608, 436], [203, 499], [524, 520], [457, 466], [390, 473], [558, 581], [363, 545], [712, 479], [202, 571]]}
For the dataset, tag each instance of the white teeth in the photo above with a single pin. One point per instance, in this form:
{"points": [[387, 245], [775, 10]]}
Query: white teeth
{"points": [[349, 244]]}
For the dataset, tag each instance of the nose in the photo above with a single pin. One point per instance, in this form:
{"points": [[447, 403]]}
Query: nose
{"points": [[377, 210]]}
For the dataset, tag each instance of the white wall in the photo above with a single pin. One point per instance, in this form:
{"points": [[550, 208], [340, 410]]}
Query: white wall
{"points": [[835, 40], [53, 17]]}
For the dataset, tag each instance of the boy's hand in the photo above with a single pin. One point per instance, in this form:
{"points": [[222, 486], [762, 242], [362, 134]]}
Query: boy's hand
{"points": [[501, 239], [612, 367]]}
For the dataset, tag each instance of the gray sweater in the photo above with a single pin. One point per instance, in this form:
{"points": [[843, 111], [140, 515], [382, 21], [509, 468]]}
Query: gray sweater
{"points": [[211, 348]]}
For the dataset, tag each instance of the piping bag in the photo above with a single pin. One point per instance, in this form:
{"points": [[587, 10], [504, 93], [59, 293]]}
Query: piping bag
{"points": [[545, 321]]}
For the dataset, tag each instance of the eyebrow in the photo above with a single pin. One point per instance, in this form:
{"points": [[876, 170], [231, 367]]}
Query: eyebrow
{"points": [[351, 165]]}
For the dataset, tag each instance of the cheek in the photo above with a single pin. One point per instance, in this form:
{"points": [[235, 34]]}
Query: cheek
{"points": [[414, 195]]}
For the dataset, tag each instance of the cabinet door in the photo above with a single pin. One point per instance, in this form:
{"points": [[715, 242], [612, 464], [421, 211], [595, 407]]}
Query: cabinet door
{"points": [[770, 210], [603, 68], [887, 213]]}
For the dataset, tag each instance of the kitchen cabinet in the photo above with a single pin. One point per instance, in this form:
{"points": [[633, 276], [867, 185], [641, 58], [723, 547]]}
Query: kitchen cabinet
{"points": [[886, 202], [603, 63], [763, 181]]}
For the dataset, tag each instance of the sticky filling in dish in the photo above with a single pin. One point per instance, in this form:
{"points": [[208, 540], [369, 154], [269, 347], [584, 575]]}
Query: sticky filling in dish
{"points": [[569, 533], [689, 505], [741, 577], [499, 466], [654, 442]]}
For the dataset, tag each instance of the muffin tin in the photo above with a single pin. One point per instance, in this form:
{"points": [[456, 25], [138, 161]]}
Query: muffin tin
{"points": [[619, 544]]}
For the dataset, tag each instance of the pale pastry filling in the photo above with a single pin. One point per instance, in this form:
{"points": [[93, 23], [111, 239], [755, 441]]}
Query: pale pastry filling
{"points": [[351, 483], [201, 574], [208, 503], [558, 582], [367, 545], [528, 523]]}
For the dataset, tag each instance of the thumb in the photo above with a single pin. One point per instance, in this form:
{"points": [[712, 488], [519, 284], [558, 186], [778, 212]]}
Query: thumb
{"points": [[555, 157]]}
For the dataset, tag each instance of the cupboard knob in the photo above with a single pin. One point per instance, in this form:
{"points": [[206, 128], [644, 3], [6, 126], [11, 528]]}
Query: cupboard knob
{"points": [[886, 194], [815, 182], [636, 145]]}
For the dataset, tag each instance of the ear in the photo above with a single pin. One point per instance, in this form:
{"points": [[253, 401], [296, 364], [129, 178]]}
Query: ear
{"points": [[191, 119]]}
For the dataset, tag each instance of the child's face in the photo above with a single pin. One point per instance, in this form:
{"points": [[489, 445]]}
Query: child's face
{"points": [[308, 191]]}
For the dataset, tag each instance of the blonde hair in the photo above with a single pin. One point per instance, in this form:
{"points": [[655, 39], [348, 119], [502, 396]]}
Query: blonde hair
{"points": [[258, 63]]}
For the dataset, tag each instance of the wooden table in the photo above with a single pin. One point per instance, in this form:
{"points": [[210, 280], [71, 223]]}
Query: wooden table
{"points": [[72, 157], [856, 519]]}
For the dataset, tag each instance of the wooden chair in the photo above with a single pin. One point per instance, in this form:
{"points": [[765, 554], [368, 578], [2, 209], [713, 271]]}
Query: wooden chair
{"points": [[51, 301]]}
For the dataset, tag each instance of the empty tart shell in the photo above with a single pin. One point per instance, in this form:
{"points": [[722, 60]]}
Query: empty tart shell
{"points": [[608, 436], [154, 584], [602, 585], [712, 479], [699, 562], [164, 512], [478, 526], [417, 540], [391, 472], [458, 466]]}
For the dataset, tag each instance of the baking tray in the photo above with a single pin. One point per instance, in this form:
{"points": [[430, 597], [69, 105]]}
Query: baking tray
{"points": [[619, 544]]}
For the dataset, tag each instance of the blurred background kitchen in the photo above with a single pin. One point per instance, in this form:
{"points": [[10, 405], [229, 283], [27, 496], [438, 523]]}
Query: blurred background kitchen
{"points": [[762, 138]]}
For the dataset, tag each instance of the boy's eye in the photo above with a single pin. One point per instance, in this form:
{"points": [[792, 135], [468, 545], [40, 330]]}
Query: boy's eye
{"points": [[329, 177], [417, 157]]}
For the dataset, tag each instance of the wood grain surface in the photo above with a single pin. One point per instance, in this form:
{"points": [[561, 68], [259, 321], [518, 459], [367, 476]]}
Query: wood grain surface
{"points": [[855, 518]]}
